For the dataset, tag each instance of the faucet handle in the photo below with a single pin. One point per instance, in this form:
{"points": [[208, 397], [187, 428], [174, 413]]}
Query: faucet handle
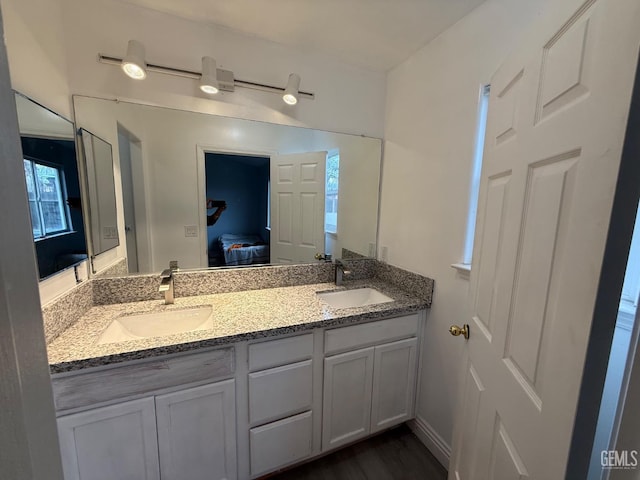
{"points": [[343, 267], [320, 257], [166, 273]]}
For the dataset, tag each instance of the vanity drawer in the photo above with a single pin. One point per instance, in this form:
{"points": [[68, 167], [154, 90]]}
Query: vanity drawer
{"points": [[280, 392], [102, 385], [280, 352], [280, 443], [356, 336]]}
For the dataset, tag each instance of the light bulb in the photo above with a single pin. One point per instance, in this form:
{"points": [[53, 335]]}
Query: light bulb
{"points": [[134, 71], [289, 99], [134, 64]]}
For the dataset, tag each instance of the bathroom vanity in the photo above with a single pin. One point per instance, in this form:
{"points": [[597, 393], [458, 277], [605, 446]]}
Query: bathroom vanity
{"points": [[281, 377]]}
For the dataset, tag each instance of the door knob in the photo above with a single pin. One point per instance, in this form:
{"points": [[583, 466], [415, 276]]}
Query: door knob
{"points": [[456, 330]]}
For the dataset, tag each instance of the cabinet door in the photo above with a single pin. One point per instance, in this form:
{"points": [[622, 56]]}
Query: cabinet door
{"points": [[117, 442], [197, 433], [394, 378], [347, 397]]}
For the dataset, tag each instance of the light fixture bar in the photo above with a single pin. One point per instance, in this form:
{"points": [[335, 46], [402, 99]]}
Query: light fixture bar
{"points": [[269, 88], [178, 72]]}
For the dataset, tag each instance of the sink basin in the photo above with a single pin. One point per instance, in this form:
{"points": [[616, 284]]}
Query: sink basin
{"points": [[157, 324], [359, 297]]}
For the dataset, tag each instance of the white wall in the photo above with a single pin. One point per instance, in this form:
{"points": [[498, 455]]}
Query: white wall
{"points": [[35, 47], [348, 99], [431, 113]]}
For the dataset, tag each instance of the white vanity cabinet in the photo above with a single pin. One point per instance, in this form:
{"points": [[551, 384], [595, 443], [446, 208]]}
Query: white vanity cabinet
{"points": [[197, 433], [186, 434], [347, 397], [117, 442], [394, 381], [238, 412], [368, 389]]}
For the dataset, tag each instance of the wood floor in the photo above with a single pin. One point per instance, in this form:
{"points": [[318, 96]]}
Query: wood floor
{"points": [[394, 455]]}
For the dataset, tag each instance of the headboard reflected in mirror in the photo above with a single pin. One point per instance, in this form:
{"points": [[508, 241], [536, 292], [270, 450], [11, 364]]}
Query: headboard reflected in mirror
{"points": [[212, 191], [102, 213], [53, 187]]}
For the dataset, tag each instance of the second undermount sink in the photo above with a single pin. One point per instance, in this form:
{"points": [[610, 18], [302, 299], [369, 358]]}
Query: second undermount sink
{"points": [[157, 324], [359, 297]]}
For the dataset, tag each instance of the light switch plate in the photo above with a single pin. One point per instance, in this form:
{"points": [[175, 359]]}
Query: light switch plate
{"points": [[190, 230], [109, 233]]}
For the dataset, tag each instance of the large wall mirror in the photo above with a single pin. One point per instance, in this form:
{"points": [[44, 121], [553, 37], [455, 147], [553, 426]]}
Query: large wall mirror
{"points": [[213, 191], [53, 187]]}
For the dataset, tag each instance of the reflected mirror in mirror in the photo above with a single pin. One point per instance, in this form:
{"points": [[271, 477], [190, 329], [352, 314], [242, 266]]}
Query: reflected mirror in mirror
{"points": [[103, 219], [53, 187], [213, 191]]}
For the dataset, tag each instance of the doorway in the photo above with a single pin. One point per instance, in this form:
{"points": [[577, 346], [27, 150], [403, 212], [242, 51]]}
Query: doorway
{"points": [[612, 396], [134, 201], [237, 198]]}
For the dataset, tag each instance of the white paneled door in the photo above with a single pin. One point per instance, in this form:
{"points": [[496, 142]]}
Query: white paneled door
{"points": [[297, 206], [556, 124]]}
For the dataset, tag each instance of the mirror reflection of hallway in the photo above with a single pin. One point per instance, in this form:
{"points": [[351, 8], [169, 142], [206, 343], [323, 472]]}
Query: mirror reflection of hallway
{"points": [[237, 192]]}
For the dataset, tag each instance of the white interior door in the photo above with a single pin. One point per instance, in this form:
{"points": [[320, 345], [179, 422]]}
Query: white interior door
{"points": [[556, 124], [297, 206]]}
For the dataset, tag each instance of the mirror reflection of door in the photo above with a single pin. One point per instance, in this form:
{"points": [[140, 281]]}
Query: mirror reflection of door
{"points": [[237, 209], [297, 207]]}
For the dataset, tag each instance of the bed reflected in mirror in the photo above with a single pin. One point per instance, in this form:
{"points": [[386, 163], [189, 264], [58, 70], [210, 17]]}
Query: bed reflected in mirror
{"points": [[238, 229]]}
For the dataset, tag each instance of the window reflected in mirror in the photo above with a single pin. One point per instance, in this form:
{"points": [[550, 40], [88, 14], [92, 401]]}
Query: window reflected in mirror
{"points": [[53, 187]]}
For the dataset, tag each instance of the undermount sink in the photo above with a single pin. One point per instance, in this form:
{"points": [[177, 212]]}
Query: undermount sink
{"points": [[157, 324], [359, 297]]}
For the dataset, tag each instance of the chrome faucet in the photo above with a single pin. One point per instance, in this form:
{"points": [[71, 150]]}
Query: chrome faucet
{"points": [[341, 272], [166, 283]]}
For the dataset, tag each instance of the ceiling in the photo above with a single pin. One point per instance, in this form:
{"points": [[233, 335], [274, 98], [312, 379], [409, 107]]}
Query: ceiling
{"points": [[374, 34]]}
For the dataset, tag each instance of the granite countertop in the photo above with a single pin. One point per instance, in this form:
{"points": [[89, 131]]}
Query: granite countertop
{"points": [[238, 316]]}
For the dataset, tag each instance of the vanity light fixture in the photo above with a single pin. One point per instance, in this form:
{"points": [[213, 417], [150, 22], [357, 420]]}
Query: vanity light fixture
{"points": [[134, 64], [292, 91], [212, 79], [209, 79]]}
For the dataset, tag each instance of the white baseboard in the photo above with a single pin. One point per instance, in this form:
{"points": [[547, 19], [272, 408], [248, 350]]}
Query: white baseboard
{"points": [[430, 438]]}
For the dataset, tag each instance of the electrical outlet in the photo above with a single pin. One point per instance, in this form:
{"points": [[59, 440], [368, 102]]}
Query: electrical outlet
{"points": [[384, 256], [190, 230]]}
